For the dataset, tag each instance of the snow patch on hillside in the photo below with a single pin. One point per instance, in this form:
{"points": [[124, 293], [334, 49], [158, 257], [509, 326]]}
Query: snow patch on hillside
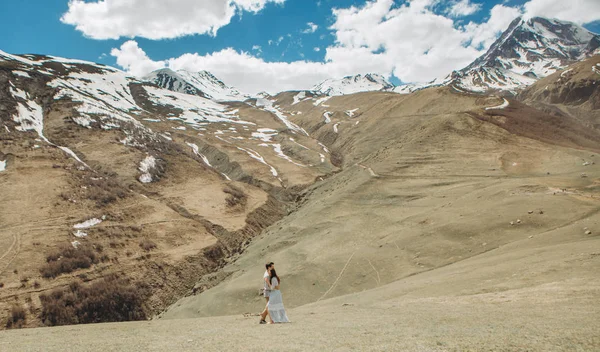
{"points": [[264, 134], [195, 110], [255, 155], [353, 84], [352, 112], [88, 223], [267, 105], [501, 106], [146, 166]]}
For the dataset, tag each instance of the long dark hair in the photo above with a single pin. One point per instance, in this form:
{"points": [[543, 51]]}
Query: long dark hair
{"points": [[274, 274]]}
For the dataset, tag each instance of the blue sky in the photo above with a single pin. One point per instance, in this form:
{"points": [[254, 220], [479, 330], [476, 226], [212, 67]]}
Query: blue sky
{"points": [[275, 33]]}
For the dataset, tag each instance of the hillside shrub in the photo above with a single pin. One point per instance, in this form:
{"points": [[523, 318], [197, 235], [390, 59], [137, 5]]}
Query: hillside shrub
{"points": [[111, 299]]}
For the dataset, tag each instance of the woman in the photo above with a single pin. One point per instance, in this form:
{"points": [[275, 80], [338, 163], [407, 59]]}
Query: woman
{"points": [[275, 305]]}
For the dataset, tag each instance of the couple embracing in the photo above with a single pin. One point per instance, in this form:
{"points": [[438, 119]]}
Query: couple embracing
{"points": [[274, 308]]}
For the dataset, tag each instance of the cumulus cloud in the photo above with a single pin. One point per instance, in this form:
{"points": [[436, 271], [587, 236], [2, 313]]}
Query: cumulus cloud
{"points": [[412, 41], [463, 8], [311, 28], [317, 49], [578, 11], [155, 19], [134, 60], [482, 35]]}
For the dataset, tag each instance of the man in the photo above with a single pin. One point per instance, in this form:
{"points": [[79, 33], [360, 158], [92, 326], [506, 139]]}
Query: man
{"points": [[266, 290]]}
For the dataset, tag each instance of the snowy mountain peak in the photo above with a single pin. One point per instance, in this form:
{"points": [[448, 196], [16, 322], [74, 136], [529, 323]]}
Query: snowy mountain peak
{"points": [[526, 51], [353, 84], [202, 83]]}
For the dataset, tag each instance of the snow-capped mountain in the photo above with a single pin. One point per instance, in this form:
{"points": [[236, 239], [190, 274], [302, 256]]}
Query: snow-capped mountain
{"points": [[527, 51], [201, 83], [353, 84]]}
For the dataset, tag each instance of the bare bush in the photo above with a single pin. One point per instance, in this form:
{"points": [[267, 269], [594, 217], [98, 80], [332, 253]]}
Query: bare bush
{"points": [[236, 197], [68, 259], [17, 317], [108, 300], [104, 190], [147, 244]]}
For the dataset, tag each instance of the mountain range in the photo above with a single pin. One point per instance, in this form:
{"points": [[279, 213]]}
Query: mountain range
{"points": [[474, 201], [527, 51]]}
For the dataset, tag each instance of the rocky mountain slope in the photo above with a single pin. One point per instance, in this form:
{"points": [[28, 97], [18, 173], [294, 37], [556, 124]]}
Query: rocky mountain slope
{"points": [[353, 84], [574, 91], [103, 174], [201, 83], [527, 51]]}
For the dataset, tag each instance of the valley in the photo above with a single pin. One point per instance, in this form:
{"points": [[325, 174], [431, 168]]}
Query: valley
{"points": [[459, 215]]}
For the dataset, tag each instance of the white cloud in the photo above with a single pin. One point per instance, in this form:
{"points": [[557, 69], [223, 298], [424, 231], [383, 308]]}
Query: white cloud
{"points": [[311, 28], [317, 49], [256, 48], [276, 42], [133, 59], [578, 11], [463, 8], [155, 19], [410, 41], [484, 34]]}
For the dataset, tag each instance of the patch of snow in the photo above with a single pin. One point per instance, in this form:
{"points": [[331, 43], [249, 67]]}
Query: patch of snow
{"points": [[298, 97], [501, 106], [321, 100], [79, 234], [87, 223], [327, 116], [21, 74], [565, 72], [83, 121], [335, 127], [195, 110], [6, 128], [72, 154], [253, 154], [267, 105], [152, 120], [350, 113], [322, 158], [17, 93], [302, 146], [145, 167], [2, 165], [353, 84], [196, 82], [30, 116], [75, 244], [324, 147], [105, 93], [197, 152], [281, 154], [264, 134]]}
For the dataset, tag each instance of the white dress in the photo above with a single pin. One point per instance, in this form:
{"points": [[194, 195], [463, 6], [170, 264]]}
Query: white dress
{"points": [[275, 305]]}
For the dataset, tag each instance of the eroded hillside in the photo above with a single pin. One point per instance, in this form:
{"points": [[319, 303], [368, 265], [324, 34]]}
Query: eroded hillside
{"points": [[105, 177], [438, 178]]}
